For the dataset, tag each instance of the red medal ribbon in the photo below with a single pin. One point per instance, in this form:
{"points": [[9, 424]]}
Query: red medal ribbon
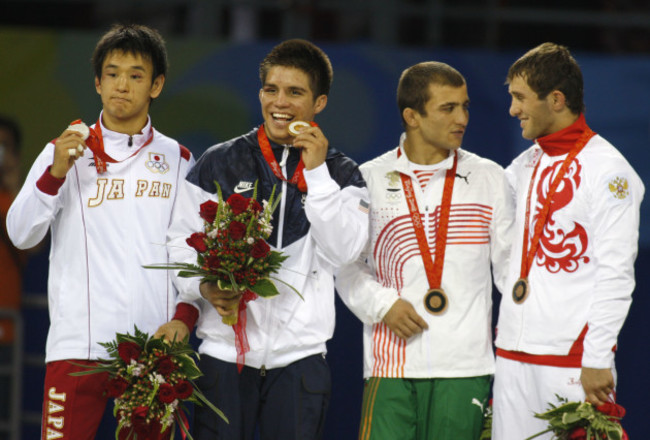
{"points": [[298, 177], [241, 340], [528, 256], [433, 269], [95, 143]]}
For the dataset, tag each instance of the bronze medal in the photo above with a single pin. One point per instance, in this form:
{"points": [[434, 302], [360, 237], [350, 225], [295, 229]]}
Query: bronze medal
{"points": [[436, 302], [520, 291]]}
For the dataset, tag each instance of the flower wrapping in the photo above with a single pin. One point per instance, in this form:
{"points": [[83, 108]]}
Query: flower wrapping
{"points": [[150, 380]]}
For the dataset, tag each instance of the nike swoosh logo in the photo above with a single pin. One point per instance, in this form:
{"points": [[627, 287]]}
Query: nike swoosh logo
{"points": [[243, 187]]}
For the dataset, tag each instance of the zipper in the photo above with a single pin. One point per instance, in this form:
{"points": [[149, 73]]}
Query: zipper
{"points": [[263, 371], [130, 141]]}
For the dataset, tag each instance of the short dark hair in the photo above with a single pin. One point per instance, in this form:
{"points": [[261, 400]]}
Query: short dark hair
{"points": [[413, 86], [12, 127], [549, 67], [303, 55], [133, 39]]}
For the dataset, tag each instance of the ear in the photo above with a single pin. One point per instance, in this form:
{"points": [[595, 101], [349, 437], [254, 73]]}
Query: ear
{"points": [[557, 100], [98, 86], [410, 118], [157, 86], [320, 104]]}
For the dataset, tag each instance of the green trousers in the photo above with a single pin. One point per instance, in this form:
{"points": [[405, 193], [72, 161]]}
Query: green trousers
{"points": [[423, 409]]}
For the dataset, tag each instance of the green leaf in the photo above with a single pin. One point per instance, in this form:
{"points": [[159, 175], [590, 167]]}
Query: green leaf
{"points": [[265, 288]]}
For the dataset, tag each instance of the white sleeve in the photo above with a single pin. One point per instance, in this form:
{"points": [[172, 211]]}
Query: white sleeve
{"points": [[360, 291], [502, 232], [33, 211], [186, 221], [338, 217], [615, 216]]}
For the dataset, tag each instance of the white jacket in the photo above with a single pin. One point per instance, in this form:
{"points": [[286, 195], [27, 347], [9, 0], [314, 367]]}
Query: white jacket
{"points": [[583, 273], [104, 228], [458, 343], [319, 232]]}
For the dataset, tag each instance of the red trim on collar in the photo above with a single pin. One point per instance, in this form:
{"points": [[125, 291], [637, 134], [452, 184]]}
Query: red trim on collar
{"points": [[561, 142]]}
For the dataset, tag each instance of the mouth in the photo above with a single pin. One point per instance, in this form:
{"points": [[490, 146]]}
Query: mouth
{"points": [[282, 118]]}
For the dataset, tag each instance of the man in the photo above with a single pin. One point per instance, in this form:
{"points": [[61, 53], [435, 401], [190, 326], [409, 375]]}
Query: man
{"points": [[108, 210], [572, 262], [439, 216], [284, 384]]}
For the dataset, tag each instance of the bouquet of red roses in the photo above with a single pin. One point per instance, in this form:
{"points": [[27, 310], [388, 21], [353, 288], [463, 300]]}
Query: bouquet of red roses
{"points": [[232, 251], [583, 421], [150, 379]]}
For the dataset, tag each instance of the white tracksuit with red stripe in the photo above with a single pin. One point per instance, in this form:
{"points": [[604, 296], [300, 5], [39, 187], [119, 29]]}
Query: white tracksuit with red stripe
{"points": [[104, 228], [458, 343], [583, 273]]}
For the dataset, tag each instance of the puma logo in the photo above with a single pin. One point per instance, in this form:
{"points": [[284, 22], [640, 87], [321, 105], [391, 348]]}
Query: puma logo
{"points": [[464, 177]]}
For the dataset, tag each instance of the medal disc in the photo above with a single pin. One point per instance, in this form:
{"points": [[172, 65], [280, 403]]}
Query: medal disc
{"points": [[520, 291], [295, 126], [436, 302]]}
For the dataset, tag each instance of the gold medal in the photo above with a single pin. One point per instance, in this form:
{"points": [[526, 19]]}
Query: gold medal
{"points": [[436, 302], [520, 291]]}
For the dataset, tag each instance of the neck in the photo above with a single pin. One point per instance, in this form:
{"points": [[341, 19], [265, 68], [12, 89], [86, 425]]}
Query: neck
{"points": [[563, 121], [128, 127], [423, 154]]}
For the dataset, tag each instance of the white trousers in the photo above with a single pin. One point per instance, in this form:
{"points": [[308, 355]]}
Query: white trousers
{"points": [[521, 390]]}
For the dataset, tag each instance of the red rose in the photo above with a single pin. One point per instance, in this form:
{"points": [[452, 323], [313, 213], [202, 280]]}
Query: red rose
{"points": [[139, 416], [255, 206], [611, 409], [128, 350], [260, 249], [208, 210], [116, 387], [237, 230], [212, 262], [578, 434], [166, 393], [197, 241], [183, 389], [166, 365], [238, 203]]}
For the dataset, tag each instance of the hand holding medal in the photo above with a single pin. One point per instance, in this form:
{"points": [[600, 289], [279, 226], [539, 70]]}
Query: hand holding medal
{"points": [[312, 141], [69, 147]]}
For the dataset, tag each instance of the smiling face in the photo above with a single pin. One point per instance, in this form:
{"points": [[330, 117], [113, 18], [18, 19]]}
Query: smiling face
{"points": [[286, 96], [537, 116], [126, 89]]}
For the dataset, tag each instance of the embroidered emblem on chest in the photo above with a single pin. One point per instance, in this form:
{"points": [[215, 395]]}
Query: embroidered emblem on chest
{"points": [[563, 244], [619, 188], [157, 164], [394, 188]]}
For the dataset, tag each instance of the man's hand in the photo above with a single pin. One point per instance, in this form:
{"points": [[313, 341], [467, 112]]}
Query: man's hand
{"points": [[403, 320], [63, 161], [598, 384], [314, 146], [224, 301], [172, 329]]}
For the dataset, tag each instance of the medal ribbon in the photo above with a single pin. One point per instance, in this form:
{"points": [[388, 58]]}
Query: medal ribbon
{"points": [[241, 339], [298, 177], [528, 256], [95, 143], [433, 269]]}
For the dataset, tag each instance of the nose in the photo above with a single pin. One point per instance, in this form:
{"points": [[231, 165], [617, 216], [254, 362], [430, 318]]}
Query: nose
{"points": [[514, 108], [462, 116], [122, 82], [281, 99]]}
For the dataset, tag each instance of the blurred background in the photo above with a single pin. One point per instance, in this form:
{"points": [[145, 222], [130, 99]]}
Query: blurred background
{"points": [[211, 94]]}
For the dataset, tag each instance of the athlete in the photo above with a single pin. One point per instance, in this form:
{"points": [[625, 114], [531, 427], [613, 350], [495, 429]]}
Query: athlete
{"points": [[571, 271], [440, 216], [284, 384], [107, 205]]}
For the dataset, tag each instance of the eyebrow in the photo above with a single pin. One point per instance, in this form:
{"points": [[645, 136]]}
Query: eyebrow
{"points": [[136, 67]]}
